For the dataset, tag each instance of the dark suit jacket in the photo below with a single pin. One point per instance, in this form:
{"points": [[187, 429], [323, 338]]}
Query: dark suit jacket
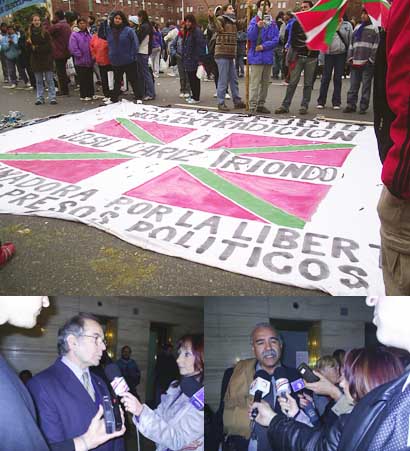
{"points": [[362, 425], [18, 422], [64, 407]]}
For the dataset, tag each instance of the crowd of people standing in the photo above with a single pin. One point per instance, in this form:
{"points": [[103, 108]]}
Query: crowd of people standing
{"points": [[101, 51]]}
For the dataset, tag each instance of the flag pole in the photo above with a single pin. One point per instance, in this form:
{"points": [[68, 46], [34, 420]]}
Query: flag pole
{"points": [[248, 19]]}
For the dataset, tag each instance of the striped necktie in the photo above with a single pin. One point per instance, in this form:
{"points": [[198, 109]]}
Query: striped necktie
{"points": [[87, 385]]}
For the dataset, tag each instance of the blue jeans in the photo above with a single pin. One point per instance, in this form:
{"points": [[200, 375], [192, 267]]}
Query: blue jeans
{"points": [[307, 65], [227, 75], [149, 89], [49, 76], [334, 63], [360, 76]]}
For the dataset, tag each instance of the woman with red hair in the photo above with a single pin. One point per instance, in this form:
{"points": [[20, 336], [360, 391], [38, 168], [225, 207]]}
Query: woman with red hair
{"points": [[364, 369], [178, 421]]}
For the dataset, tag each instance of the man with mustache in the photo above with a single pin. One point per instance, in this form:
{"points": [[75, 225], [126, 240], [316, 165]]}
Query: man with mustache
{"points": [[68, 397], [267, 347]]}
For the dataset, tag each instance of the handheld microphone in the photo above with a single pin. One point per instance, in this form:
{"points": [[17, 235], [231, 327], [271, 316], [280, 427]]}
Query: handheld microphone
{"points": [[281, 382], [111, 405], [117, 381], [259, 388]]}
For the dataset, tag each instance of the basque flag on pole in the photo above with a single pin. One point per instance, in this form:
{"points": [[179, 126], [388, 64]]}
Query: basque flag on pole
{"points": [[320, 23], [378, 10]]}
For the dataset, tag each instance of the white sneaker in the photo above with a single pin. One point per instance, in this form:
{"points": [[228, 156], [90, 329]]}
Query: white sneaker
{"points": [[10, 86], [227, 96], [336, 107], [108, 101], [186, 95], [28, 85], [86, 99], [319, 107], [182, 95], [192, 101], [139, 102], [215, 95], [171, 74]]}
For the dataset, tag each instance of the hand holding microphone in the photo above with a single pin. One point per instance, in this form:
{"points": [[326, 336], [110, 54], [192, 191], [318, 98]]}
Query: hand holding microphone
{"points": [[288, 405], [132, 404], [264, 413], [259, 388]]}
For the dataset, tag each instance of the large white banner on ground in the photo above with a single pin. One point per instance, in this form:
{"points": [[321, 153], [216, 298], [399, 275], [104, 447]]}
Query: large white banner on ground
{"points": [[281, 199]]}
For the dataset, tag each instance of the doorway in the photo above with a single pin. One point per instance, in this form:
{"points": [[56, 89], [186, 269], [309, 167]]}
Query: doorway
{"points": [[159, 335], [301, 341]]}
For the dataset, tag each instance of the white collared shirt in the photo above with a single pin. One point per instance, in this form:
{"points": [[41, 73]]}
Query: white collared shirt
{"points": [[78, 372]]}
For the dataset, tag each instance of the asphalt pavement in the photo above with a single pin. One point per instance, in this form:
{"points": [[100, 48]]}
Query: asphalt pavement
{"points": [[60, 257]]}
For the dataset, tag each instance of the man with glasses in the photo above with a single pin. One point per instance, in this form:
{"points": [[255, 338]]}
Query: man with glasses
{"points": [[68, 396], [267, 348]]}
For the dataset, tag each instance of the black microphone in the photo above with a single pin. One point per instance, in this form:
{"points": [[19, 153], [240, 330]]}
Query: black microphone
{"points": [[112, 414]]}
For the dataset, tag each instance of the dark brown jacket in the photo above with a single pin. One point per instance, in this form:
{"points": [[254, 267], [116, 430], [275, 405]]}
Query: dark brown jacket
{"points": [[41, 58], [226, 41]]}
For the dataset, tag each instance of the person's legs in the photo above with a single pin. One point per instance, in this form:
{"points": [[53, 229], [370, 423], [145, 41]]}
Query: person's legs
{"points": [[22, 71], [131, 71], [89, 74], [11, 69], [293, 83], [339, 67], [81, 81], [264, 84], [255, 76], [183, 77], [62, 76], [39, 87], [278, 55], [394, 214], [368, 72], [326, 77], [233, 82], [223, 74], [155, 57], [195, 84], [148, 81], [308, 77], [215, 71], [118, 74], [4, 67], [49, 76], [104, 79], [355, 80]]}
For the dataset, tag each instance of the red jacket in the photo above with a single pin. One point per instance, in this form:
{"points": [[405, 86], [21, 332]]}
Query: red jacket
{"points": [[396, 166], [99, 50]]}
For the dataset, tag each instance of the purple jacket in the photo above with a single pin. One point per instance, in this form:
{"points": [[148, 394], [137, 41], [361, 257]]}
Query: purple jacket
{"points": [[270, 39], [79, 47], [60, 35]]}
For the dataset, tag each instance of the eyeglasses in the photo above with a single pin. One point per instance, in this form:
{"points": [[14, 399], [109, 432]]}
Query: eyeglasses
{"points": [[97, 339]]}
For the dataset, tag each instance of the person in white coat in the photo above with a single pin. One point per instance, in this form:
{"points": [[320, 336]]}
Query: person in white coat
{"points": [[178, 422]]}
